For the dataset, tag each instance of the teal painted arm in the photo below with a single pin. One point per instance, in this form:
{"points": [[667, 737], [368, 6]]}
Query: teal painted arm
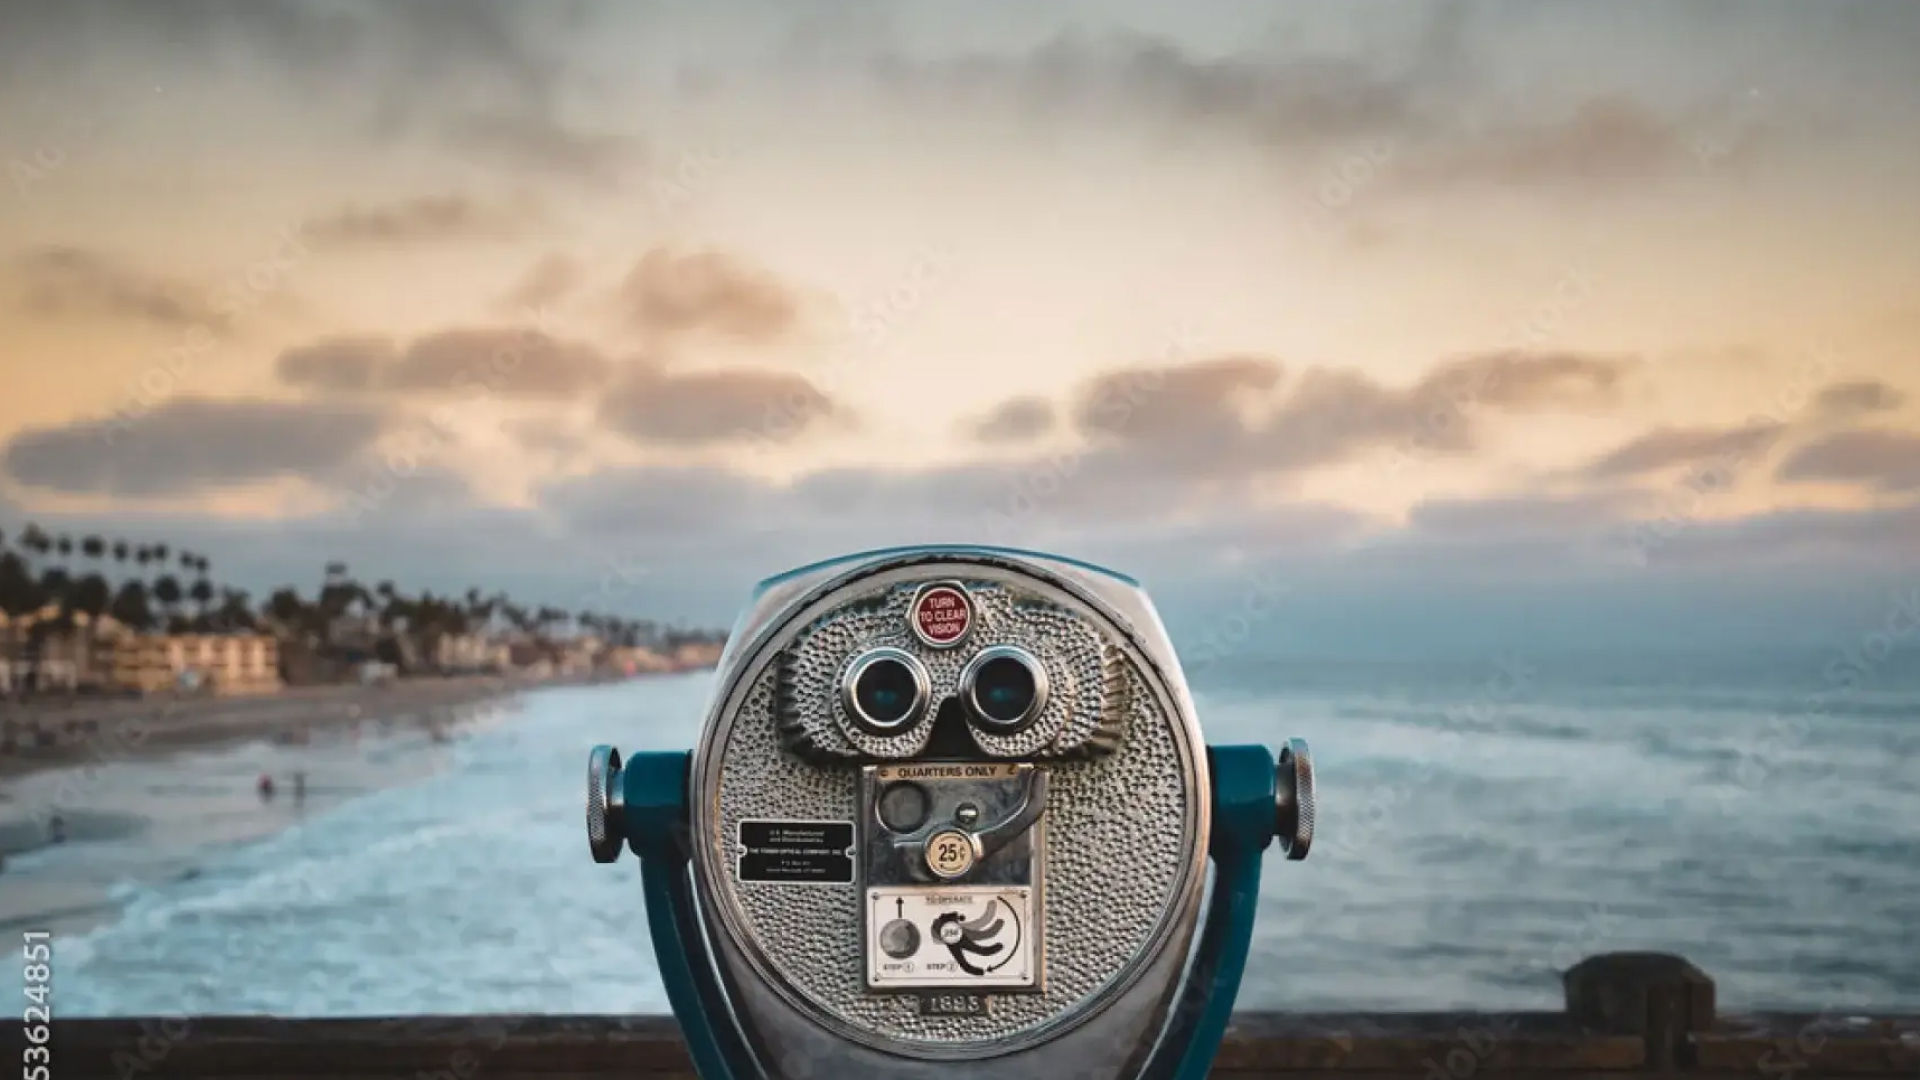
{"points": [[654, 786], [1243, 821]]}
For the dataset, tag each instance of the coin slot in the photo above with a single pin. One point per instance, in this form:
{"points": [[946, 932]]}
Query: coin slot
{"points": [[904, 806]]}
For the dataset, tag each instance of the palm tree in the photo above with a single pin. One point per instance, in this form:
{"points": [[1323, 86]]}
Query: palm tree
{"points": [[398, 611], [287, 609], [202, 594], [65, 545], [36, 540], [90, 594], [120, 551], [235, 612], [19, 593], [159, 553], [93, 547], [130, 605], [166, 590]]}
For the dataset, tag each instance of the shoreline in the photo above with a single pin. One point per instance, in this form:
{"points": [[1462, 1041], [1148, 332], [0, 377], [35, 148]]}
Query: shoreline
{"points": [[161, 786], [106, 733]]}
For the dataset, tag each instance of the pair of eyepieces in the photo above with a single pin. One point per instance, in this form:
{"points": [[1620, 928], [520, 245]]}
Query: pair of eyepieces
{"points": [[887, 691]]}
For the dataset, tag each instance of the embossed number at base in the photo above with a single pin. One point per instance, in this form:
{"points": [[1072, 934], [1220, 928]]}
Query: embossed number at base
{"points": [[953, 1003], [797, 852], [963, 938]]}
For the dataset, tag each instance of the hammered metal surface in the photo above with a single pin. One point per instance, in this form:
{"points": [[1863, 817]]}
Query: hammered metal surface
{"points": [[1082, 715], [1118, 826]]}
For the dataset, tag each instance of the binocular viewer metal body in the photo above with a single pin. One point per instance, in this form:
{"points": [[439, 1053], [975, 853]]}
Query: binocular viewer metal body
{"points": [[951, 814]]}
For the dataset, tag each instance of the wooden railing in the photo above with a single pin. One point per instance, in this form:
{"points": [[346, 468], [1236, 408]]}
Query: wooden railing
{"points": [[1628, 1015]]}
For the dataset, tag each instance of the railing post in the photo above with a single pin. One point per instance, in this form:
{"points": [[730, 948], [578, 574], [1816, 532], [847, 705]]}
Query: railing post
{"points": [[1658, 996]]}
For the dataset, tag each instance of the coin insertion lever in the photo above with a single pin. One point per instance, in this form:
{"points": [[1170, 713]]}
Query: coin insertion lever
{"points": [[982, 842]]}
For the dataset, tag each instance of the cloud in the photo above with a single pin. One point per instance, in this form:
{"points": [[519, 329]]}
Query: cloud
{"points": [[488, 75], [424, 219], [1521, 380], [1174, 404], [1221, 418], [1608, 138], [547, 282], [193, 444], [1418, 99], [520, 362], [1513, 572], [336, 364], [510, 362], [1018, 420], [1833, 538], [70, 282], [1856, 398], [1271, 100], [1887, 461], [542, 436], [540, 143], [725, 515], [1667, 448], [1523, 516], [674, 293], [658, 408]]}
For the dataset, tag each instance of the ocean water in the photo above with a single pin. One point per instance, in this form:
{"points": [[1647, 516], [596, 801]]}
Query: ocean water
{"points": [[1484, 823]]}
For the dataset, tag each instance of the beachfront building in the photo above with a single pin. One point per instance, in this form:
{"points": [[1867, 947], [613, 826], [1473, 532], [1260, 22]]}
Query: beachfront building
{"points": [[698, 654], [636, 660], [470, 653], [578, 656], [214, 663], [47, 650]]}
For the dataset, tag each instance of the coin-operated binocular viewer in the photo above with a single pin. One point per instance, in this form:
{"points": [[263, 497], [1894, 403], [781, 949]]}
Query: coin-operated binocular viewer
{"points": [[951, 815]]}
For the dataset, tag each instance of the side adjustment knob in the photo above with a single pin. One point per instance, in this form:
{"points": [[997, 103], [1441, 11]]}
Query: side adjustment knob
{"points": [[1293, 799], [606, 805]]}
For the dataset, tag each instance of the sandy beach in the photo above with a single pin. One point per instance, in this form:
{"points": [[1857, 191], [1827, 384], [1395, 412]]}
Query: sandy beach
{"points": [[142, 791], [99, 730], [91, 737]]}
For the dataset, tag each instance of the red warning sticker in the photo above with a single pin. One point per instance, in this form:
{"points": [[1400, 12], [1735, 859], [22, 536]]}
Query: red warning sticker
{"points": [[942, 615]]}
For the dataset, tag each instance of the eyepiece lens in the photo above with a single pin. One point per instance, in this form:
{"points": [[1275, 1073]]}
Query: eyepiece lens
{"points": [[1004, 689], [886, 691]]}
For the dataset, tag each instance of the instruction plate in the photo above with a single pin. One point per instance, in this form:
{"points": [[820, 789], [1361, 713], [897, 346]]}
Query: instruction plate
{"points": [[966, 937]]}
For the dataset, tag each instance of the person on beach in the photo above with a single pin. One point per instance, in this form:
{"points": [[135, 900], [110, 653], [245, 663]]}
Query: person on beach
{"points": [[265, 786], [56, 829], [299, 787]]}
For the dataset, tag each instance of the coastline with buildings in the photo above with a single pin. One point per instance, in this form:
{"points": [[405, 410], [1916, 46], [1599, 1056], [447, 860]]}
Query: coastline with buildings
{"points": [[118, 651]]}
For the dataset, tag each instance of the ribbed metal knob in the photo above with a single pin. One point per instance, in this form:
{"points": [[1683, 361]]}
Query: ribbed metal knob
{"points": [[1293, 799], [606, 817]]}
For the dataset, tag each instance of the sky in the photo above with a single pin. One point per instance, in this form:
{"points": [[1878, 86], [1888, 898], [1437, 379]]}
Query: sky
{"points": [[1570, 318]]}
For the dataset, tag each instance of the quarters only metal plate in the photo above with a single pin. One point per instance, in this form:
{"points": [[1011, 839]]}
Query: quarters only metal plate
{"points": [[965, 937]]}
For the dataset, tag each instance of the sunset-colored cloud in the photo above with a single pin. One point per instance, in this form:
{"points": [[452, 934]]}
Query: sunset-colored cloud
{"points": [[78, 285], [190, 444], [656, 407], [1885, 460], [672, 292], [426, 218], [507, 362]]}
